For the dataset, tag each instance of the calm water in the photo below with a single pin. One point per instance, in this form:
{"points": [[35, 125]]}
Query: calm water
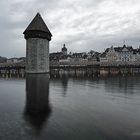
{"points": [[70, 109]]}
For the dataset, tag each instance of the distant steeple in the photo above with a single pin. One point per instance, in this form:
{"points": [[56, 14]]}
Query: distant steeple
{"points": [[124, 44], [37, 28], [64, 50]]}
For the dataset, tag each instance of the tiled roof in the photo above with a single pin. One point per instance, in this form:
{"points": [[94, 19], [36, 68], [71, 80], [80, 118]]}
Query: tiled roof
{"points": [[103, 54], [38, 24]]}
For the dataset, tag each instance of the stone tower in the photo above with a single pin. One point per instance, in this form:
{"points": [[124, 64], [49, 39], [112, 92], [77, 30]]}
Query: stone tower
{"points": [[37, 37]]}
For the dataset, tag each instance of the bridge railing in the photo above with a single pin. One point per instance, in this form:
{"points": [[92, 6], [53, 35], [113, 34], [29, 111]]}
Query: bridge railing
{"points": [[73, 63]]}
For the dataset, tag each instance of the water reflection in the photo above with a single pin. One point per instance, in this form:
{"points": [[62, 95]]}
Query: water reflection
{"points": [[125, 85], [105, 108], [37, 109], [64, 84]]}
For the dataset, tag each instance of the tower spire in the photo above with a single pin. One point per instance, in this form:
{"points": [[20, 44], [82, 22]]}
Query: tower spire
{"points": [[37, 28]]}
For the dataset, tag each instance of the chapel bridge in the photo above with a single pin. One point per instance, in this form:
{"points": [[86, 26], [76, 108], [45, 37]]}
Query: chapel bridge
{"points": [[21, 65], [18, 69]]}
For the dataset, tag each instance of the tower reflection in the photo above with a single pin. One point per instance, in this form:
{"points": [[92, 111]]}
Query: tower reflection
{"points": [[64, 84], [37, 109]]}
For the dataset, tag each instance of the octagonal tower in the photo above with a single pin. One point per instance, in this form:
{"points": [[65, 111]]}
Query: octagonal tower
{"points": [[37, 37]]}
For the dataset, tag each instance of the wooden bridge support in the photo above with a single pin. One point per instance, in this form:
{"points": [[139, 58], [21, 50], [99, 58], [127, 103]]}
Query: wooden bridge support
{"points": [[10, 72], [72, 71]]}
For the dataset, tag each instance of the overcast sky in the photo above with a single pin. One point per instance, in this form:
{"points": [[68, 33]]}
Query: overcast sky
{"points": [[83, 25]]}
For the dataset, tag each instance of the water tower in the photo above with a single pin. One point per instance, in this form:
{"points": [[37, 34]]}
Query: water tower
{"points": [[37, 37]]}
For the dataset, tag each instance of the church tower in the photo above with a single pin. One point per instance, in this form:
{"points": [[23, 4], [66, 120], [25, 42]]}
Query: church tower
{"points": [[64, 50]]}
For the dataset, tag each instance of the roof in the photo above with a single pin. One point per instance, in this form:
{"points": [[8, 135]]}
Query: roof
{"points": [[103, 54], [107, 50], [118, 49], [37, 25], [136, 51]]}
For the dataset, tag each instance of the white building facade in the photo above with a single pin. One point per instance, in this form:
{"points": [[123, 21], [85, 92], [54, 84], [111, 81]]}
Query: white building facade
{"points": [[125, 55]]}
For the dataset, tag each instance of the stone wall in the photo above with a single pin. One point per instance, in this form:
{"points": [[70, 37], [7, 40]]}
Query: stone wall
{"points": [[37, 55]]}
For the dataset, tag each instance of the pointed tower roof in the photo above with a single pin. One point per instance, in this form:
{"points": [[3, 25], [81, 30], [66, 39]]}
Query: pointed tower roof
{"points": [[64, 48], [124, 46], [37, 29]]}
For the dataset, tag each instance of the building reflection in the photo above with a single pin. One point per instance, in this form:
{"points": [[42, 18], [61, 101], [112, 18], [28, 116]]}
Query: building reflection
{"points": [[64, 84], [61, 81], [37, 108], [122, 85]]}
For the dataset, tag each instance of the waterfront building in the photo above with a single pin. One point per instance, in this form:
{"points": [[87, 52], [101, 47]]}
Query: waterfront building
{"points": [[3, 59], [57, 56], [22, 59], [78, 56], [125, 55], [12, 60], [111, 55], [103, 59], [93, 57]]}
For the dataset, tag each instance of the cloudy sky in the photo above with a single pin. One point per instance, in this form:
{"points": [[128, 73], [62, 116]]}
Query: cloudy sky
{"points": [[82, 25]]}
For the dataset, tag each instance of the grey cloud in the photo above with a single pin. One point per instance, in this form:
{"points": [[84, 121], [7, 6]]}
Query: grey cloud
{"points": [[82, 25]]}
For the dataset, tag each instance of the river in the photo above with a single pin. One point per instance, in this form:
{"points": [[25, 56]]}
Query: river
{"points": [[66, 108]]}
